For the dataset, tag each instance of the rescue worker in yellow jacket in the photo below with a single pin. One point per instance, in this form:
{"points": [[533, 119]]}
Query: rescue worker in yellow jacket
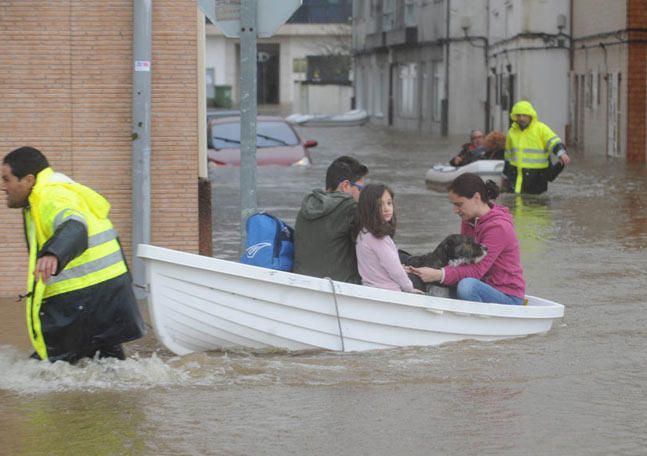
{"points": [[529, 143], [80, 301]]}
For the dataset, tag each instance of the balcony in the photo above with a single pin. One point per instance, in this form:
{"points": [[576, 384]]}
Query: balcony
{"points": [[403, 35], [375, 40]]}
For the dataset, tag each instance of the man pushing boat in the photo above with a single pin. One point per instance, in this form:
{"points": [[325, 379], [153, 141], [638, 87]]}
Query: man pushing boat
{"points": [[80, 301]]}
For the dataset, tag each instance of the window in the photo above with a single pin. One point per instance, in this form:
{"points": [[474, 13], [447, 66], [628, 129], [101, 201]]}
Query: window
{"points": [[378, 90], [410, 13], [388, 15], [599, 88], [498, 89], [511, 90], [588, 93], [299, 65], [374, 7], [596, 90], [437, 90], [426, 91], [408, 77]]}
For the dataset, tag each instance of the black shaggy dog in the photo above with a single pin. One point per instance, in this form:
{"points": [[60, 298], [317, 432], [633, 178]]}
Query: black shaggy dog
{"points": [[454, 250]]}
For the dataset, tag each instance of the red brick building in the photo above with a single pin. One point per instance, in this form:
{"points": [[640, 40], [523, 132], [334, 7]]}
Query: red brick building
{"points": [[66, 88]]}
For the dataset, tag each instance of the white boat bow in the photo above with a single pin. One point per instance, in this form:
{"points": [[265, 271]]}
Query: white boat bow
{"points": [[443, 174], [199, 303], [347, 119]]}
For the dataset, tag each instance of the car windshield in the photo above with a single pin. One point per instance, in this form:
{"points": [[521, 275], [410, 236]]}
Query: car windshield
{"points": [[268, 134]]}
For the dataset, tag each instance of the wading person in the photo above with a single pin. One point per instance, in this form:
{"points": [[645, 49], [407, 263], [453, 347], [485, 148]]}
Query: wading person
{"points": [[324, 245], [497, 278], [79, 297], [528, 146]]}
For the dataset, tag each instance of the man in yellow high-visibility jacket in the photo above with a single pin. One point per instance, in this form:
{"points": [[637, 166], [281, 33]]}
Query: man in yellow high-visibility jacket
{"points": [[80, 301], [529, 143]]}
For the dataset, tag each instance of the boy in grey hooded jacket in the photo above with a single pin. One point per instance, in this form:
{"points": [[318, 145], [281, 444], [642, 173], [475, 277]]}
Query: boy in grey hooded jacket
{"points": [[323, 239]]}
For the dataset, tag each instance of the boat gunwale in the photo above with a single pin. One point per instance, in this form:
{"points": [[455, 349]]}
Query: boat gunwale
{"points": [[538, 308]]}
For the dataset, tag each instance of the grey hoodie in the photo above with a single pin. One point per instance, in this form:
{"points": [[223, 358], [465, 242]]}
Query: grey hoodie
{"points": [[323, 239]]}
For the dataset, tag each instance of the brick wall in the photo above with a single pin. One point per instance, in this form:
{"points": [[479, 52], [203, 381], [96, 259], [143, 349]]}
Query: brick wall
{"points": [[637, 81], [65, 86]]}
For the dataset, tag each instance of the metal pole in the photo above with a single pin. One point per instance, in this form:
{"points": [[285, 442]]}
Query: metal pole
{"points": [[248, 109], [141, 148], [445, 107]]}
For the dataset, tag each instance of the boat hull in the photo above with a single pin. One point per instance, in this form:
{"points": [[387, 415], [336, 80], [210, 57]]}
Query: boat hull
{"points": [[441, 175], [199, 304], [349, 119]]}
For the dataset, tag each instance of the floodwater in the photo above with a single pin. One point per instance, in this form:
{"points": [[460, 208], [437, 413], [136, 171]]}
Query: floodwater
{"points": [[577, 390]]}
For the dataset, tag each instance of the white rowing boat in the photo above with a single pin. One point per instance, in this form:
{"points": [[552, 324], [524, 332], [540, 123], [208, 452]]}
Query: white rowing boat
{"points": [[441, 175], [347, 119], [199, 303]]}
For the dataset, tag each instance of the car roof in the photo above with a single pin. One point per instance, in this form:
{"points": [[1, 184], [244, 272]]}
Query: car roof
{"points": [[221, 114]]}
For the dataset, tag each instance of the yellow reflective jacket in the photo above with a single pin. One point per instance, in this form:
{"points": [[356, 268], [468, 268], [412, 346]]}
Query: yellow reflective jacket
{"points": [[529, 148], [53, 200]]}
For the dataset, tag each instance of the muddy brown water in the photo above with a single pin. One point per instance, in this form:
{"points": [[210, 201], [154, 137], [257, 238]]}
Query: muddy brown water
{"points": [[577, 390]]}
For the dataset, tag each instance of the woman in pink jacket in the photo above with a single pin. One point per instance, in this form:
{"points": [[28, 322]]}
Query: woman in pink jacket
{"points": [[497, 278]]}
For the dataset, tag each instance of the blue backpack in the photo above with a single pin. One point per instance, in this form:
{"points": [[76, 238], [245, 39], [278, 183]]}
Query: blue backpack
{"points": [[269, 244]]}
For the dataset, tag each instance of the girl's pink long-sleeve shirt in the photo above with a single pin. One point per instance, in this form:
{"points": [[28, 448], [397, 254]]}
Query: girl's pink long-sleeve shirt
{"points": [[379, 264]]}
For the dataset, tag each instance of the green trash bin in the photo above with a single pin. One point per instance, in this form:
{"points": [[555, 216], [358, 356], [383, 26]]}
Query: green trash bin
{"points": [[223, 96]]}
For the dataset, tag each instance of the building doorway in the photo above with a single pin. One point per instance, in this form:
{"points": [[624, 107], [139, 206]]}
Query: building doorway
{"points": [[267, 82]]}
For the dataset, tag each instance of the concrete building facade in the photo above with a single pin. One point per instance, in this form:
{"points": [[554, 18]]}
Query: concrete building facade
{"points": [[608, 97], [402, 78], [318, 27], [66, 71], [281, 57], [528, 59], [448, 66]]}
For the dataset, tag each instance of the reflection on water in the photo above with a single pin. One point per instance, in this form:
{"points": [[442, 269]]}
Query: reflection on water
{"points": [[533, 222], [102, 424], [577, 390]]}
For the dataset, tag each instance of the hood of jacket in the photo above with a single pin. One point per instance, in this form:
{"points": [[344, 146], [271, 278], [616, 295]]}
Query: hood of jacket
{"points": [[523, 108], [48, 180], [498, 215], [320, 203]]}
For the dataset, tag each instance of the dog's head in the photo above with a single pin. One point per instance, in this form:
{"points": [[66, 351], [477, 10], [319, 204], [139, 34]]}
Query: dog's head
{"points": [[454, 250], [461, 249]]}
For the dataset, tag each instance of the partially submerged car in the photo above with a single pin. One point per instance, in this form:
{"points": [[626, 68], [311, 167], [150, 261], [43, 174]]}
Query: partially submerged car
{"points": [[277, 143]]}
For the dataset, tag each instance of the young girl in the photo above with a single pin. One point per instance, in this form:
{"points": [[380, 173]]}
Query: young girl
{"points": [[377, 256], [497, 278]]}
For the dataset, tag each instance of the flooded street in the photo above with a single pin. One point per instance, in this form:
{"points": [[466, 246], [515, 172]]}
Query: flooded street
{"points": [[578, 390]]}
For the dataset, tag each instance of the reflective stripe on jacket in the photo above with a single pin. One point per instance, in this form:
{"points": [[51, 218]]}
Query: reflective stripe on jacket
{"points": [[54, 200], [529, 148]]}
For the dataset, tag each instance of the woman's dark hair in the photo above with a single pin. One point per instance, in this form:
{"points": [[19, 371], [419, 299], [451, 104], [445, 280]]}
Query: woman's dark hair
{"points": [[467, 184], [25, 160], [370, 212]]}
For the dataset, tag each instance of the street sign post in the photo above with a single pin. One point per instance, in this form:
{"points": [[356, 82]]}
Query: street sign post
{"points": [[248, 20], [248, 109]]}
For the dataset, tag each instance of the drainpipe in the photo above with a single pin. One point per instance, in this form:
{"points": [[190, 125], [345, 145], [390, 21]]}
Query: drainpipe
{"points": [[445, 106], [141, 147], [488, 100], [571, 51]]}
